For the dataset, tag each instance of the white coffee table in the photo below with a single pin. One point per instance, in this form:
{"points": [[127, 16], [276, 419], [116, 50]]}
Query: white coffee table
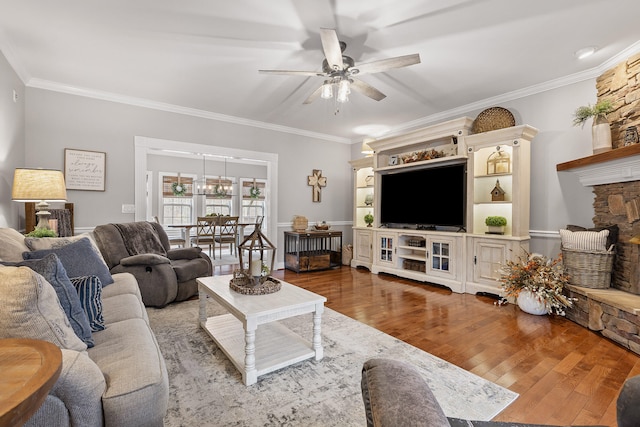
{"points": [[257, 351]]}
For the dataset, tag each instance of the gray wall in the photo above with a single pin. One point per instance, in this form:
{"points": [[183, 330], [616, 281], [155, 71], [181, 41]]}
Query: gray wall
{"points": [[12, 147]]}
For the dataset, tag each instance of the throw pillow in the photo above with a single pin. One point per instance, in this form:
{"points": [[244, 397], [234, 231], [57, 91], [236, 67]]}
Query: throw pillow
{"points": [[89, 290], [78, 259], [29, 308], [12, 245], [53, 271], [38, 243], [613, 232], [584, 240]]}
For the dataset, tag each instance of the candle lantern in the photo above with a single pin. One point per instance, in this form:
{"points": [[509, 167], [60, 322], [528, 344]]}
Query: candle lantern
{"points": [[498, 162], [254, 252]]}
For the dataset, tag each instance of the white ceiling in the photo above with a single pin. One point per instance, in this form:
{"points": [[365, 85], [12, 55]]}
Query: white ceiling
{"points": [[203, 56]]}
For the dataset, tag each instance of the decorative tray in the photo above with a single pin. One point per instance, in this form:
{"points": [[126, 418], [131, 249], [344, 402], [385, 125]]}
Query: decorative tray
{"points": [[246, 285]]}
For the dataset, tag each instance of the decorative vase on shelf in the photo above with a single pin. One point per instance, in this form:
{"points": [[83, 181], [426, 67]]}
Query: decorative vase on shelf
{"points": [[528, 303], [600, 130], [601, 134], [495, 229]]}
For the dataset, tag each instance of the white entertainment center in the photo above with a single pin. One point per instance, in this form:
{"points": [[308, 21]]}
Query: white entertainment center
{"points": [[466, 260]]}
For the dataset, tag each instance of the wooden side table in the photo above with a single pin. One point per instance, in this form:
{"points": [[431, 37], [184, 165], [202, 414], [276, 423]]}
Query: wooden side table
{"points": [[29, 369]]}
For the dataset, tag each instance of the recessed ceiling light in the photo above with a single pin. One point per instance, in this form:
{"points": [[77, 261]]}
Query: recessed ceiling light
{"points": [[584, 52]]}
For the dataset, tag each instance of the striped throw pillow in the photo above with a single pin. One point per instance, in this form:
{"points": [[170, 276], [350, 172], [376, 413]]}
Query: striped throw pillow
{"points": [[90, 292], [584, 240]]}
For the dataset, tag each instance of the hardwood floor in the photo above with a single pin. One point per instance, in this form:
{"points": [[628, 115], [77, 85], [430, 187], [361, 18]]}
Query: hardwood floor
{"points": [[564, 373]]}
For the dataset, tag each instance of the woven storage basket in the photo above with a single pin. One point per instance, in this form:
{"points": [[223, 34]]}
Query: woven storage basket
{"points": [[492, 119], [589, 269], [300, 223]]}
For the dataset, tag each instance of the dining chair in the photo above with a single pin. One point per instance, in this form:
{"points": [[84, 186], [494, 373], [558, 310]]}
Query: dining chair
{"points": [[173, 241], [205, 233], [259, 220], [228, 234]]}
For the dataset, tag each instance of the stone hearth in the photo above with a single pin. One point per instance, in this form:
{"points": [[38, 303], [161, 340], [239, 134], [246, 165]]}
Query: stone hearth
{"points": [[612, 312]]}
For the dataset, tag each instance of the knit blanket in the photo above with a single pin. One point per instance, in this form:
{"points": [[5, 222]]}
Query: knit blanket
{"points": [[140, 238]]}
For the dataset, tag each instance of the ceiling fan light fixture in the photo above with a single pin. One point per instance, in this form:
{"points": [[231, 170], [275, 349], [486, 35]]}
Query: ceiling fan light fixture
{"points": [[327, 90], [343, 91]]}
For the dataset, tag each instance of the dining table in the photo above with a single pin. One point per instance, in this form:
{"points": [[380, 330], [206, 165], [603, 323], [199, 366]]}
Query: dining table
{"points": [[186, 231]]}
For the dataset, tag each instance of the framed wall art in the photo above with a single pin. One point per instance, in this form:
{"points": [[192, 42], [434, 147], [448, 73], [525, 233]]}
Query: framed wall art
{"points": [[84, 170]]}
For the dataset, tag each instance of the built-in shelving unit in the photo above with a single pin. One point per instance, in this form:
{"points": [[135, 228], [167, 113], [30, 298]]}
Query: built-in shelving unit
{"points": [[364, 200], [463, 260]]}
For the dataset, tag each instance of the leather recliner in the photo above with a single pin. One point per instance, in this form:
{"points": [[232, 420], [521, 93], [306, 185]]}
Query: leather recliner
{"points": [[142, 248]]}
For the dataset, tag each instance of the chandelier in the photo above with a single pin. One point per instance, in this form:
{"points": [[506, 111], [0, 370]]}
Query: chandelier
{"points": [[214, 187]]}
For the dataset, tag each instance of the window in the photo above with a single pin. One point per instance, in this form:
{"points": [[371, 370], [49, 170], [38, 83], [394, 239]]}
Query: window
{"points": [[177, 206], [219, 196], [253, 201]]}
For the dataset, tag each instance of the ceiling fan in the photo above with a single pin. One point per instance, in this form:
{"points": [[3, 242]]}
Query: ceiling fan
{"points": [[339, 70]]}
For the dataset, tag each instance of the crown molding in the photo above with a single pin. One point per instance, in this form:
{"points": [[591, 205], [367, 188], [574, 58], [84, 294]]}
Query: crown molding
{"points": [[23, 74], [12, 58], [171, 108]]}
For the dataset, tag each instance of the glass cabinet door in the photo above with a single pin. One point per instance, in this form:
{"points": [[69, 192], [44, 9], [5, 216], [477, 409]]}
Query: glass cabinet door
{"points": [[386, 248], [440, 256]]}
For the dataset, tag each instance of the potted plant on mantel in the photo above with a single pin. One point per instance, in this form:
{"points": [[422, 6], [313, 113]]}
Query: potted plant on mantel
{"points": [[537, 283], [495, 224], [600, 130]]}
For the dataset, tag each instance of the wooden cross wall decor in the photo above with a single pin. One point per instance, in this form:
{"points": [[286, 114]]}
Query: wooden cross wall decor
{"points": [[317, 181]]}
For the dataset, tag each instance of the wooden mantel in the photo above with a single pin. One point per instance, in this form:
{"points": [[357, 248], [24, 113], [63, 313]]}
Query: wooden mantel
{"points": [[619, 165]]}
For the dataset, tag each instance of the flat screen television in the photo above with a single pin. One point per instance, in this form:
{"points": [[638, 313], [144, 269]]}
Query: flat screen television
{"points": [[430, 197]]}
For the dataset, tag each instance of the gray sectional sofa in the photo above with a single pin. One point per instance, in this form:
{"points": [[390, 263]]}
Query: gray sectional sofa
{"points": [[115, 377]]}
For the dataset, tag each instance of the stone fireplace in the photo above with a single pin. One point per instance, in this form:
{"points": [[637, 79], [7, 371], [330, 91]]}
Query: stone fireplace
{"points": [[615, 178], [619, 203]]}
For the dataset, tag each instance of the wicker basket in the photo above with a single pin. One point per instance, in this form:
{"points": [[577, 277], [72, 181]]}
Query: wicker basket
{"points": [[492, 119], [589, 269]]}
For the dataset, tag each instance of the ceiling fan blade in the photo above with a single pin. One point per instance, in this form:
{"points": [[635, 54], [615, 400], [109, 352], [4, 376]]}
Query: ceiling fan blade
{"points": [[331, 47], [386, 64], [315, 95], [367, 90], [293, 73]]}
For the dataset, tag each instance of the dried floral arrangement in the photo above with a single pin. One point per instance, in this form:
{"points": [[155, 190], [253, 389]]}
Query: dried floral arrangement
{"points": [[544, 277], [418, 156]]}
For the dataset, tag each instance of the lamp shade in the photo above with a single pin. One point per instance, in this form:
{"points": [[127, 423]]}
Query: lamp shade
{"points": [[35, 185]]}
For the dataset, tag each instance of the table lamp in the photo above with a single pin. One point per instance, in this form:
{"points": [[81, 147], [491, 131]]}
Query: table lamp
{"points": [[41, 186]]}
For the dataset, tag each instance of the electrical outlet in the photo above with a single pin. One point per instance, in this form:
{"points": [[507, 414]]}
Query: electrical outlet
{"points": [[128, 208], [15, 96]]}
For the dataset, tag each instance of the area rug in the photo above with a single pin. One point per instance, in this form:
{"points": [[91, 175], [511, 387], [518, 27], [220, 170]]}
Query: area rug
{"points": [[207, 390]]}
